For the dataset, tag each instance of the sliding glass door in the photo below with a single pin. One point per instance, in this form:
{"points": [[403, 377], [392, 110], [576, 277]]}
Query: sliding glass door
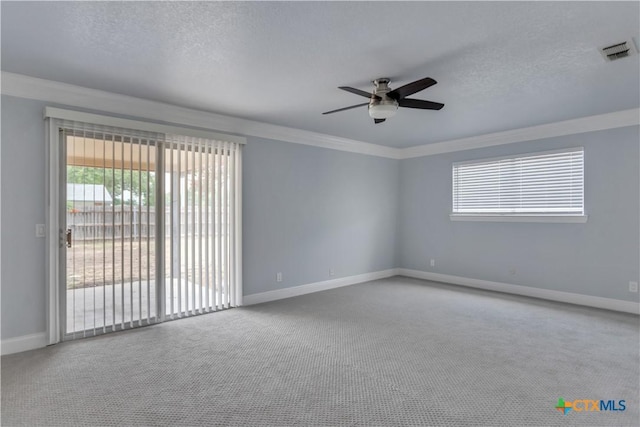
{"points": [[110, 230], [150, 227]]}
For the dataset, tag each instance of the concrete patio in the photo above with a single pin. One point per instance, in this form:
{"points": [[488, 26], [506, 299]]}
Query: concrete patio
{"points": [[93, 307]]}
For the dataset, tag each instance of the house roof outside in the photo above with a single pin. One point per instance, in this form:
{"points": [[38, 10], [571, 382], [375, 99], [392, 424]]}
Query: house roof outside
{"points": [[88, 193]]}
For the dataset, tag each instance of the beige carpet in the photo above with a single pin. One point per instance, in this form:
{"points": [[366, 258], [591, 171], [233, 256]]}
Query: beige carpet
{"points": [[391, 352]]}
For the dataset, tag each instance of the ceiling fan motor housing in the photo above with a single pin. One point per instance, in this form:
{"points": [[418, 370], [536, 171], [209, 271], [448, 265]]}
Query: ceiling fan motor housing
{"points": [[384, 107], [384, 102]]}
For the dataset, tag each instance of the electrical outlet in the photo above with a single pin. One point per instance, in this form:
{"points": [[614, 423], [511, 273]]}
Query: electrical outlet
{"points": [[633, 286], [513, 272], [332, 272], [278, 277], [432, 263], [40, 230]]}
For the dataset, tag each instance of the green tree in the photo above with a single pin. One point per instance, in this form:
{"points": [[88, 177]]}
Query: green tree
{"points": [[141, 184]]}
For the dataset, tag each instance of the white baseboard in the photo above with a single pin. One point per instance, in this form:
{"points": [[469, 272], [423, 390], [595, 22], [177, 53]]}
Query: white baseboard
{"points": [[316, 287], [548, 294], [39, 340], [23, 343]]}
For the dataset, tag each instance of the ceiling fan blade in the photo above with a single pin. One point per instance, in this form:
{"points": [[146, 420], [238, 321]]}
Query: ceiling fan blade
{"points": [[376, 121], [411, 88], [420, 104], [346, 108], [359, 92]]}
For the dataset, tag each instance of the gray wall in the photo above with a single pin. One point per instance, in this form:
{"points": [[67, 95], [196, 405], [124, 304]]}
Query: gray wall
{"points": [[309, 209], [23, 206], [597, 258], [306, 210]]}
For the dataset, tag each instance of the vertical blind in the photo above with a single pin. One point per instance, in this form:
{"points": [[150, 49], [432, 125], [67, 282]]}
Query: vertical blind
{"points": [[550, 183], [155, 227], [202, 225], [109, 216]]}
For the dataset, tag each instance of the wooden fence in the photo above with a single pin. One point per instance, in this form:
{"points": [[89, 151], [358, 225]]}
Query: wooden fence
{"points": [[97, 223], [128, 222]]}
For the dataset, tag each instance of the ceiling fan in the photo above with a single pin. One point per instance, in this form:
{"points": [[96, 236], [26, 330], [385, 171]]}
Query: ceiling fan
{"points": [[384, 102]]}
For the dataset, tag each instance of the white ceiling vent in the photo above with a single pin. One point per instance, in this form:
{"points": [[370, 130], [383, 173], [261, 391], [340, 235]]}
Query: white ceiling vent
{"points": [[618, 50]]}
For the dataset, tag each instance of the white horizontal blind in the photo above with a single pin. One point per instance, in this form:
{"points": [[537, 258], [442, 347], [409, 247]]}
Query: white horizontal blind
{"points": [[547, 183]]}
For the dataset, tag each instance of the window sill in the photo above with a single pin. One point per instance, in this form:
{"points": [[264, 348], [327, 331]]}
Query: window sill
{"points": [[520, 218]]}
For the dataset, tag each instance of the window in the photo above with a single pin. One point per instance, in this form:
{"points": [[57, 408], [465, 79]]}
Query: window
{"points": [[538, 187]]}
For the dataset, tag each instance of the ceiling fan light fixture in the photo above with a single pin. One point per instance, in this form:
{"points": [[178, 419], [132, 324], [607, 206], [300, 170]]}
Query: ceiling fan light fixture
{"points": [[384, 102], [383, 110]]}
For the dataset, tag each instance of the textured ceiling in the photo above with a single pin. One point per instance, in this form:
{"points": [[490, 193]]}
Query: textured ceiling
{"points": [[499, 65]]}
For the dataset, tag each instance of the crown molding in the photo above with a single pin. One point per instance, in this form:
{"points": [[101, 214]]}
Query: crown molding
{"points": [[598, 122], [76, 96], [22, 86]]}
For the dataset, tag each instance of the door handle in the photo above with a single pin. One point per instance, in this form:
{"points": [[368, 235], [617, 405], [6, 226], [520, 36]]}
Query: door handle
{"points": [[68, 236]]}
